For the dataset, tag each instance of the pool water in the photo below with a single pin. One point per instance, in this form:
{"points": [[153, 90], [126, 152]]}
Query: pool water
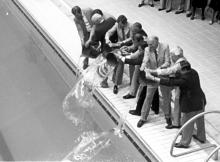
{"points": [[32, 123]]}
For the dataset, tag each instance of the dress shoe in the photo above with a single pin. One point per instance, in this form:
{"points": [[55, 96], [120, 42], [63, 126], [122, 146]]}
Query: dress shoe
{"points": [[169, 126], [211, 22], [85, 66], [141, 123], [169, 10], [104, 84], [189, 14], [85, 63], [173, 126], [203, 18], [192, 18], [201, 141], [160, 9], [115, 89], [141, 4], [156, 112], [179, 11], [169, 123], [134, 112], [152, 5], [180, 145], [128, 96]]}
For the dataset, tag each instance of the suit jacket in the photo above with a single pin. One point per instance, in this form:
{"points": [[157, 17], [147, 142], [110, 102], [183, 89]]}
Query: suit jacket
{"points": [[135, 58], [81, 24], [150, 61], [163, 57], [115, 28], [101, 29], [87, 12], [192, 98]]}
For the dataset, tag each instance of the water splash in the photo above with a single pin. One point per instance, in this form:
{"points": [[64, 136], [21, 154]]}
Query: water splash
{"points": [[89, 144], [80, 97], [119, 130], [77, 101]]}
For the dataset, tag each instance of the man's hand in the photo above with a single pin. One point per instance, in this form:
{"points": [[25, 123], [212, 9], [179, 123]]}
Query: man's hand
{"points": [[162, 67], [141, 68], [121, 58], [148, 74], [107, 41], [153, 72], [114, 45], [124, 53], [87, 44], [124, 48]]}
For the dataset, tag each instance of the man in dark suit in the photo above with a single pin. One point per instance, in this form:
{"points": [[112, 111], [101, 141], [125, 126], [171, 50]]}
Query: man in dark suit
{"points": [[192, 102], [133, 58]]}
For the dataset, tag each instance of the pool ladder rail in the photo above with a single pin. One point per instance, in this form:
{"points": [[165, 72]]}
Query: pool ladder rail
{"points": [[205, 146]]}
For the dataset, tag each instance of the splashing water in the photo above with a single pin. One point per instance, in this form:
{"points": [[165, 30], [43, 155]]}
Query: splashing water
{"points": [[76, 101], [89, 145], [80, 97], [119, 130]]}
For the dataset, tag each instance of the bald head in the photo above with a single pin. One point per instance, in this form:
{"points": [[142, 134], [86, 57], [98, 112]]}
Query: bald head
{"points": [[176, 53], [153, 42]]}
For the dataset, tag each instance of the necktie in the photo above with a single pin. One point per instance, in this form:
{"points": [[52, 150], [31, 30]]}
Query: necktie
{"points": [[123, 33], [155, 52]]}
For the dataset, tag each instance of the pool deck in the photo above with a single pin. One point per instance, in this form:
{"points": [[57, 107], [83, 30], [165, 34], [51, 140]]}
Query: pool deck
{"points": [[54, 20]]}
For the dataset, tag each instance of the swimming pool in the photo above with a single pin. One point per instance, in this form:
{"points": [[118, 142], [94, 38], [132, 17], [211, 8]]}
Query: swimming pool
{"points": [[33, 126]]}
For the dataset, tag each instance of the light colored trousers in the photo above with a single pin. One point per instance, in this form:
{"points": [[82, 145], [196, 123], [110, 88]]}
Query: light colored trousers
{"points": [[185, 5], [148, 1], [176, 114], [166, 4], [188, 131], [164, 96]]}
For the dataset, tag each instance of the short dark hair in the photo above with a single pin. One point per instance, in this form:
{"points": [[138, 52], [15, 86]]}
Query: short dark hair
{"points": [[137, 25], [138, 37], [76, 9], [122, 19], [111, 58], [97, 11], [185, 65]]}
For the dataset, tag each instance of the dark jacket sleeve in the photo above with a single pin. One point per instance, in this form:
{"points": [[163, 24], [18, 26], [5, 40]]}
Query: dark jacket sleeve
{"points": [[135, 59], [182, 82]]}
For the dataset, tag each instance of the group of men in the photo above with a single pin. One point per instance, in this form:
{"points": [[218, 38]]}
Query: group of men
{"points": [[154, 70]]}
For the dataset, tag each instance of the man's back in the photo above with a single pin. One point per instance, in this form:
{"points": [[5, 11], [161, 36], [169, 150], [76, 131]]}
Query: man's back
{"points": [[87, 12], [191, 94], [102, 28]]}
